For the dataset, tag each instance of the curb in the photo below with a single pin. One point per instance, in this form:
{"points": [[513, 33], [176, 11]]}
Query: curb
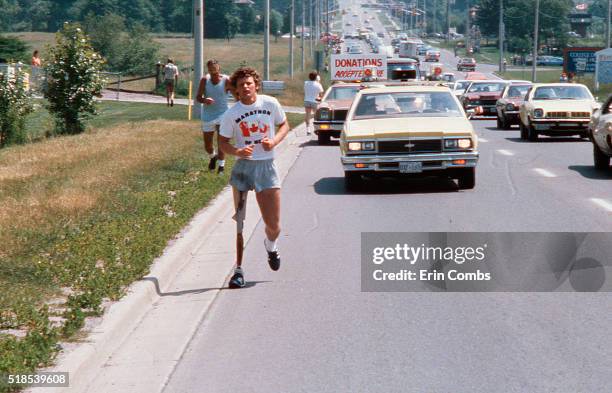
{"points": [[107, 334]]}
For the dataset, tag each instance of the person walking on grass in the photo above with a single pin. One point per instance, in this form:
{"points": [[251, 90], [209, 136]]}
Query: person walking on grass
{"points": [[252, 124], [171, 74], [212, 92], [313, 92]]}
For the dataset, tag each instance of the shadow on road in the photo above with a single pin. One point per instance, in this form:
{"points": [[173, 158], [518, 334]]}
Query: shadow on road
{"points": [[155, 282], [314, 142], [549, 140], [590, 172], [382, 186]]}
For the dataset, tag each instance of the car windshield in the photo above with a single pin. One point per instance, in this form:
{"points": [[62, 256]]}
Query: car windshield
{"points": [[342, 93], [561, 93], [407, 104], [486, 87], [462, 85], [517, 91]]}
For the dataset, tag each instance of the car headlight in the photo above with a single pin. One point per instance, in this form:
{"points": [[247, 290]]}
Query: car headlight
{"points": [[324, 114], [509, 107], [463, 143], [361, 146], [538, 112]]}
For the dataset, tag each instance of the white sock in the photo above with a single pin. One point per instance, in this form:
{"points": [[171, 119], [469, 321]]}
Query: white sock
{"points": [[271, 245], [238, 269], [221, 162]]}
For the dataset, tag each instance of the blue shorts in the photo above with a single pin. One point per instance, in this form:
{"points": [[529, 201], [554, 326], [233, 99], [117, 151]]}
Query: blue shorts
{"points": [[310, 104], [255, 175]]}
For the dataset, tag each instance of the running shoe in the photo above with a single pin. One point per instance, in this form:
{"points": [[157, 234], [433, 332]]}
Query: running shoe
{"points": [[212, 163], [237, 280], [274, 260], [221, 170]]}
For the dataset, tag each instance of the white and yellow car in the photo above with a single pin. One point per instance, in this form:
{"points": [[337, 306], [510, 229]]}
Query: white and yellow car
{"points": [[556, 109], [416, 129], [601, 135]]}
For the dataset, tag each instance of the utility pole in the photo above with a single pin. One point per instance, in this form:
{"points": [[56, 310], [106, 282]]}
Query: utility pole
{"points": [[535, 43], [198, 52], [500, 35], [433, 17], [424, 18], [266, 65], [448, 3], [310, 10], [608, 24], [467, 28], [291, 31], [303, 24], [327, 19]]}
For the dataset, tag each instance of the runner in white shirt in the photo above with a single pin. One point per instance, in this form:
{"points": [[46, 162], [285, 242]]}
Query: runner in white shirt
{"points": [[252, 124], [170, 80], [313, 92]]}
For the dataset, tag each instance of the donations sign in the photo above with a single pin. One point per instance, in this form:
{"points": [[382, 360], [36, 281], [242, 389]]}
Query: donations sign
{"points": [[353, 67]]}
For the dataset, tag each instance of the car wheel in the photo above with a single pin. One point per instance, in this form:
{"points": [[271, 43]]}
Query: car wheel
{"points": [[500, 124], [600, 159], [323, 138], [506, 124], [584, 135], [532, 134], [467, 179], [352, 180], [523, 130]]}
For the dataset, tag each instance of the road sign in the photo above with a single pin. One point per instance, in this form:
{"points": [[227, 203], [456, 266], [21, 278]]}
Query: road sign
{"points": [[603, 67], [353, 67], [579, 60]]}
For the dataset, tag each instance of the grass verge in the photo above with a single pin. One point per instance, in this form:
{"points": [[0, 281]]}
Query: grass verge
{"points": [[82, 217]]}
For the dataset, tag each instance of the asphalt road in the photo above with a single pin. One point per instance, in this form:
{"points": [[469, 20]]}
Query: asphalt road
{"points": [[309, 328]]}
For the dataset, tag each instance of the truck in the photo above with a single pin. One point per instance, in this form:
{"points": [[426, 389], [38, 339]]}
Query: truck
{"points": [[408, 49]]}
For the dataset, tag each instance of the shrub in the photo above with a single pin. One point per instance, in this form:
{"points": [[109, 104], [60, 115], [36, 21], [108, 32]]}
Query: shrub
{"points": [[15, 105], [12, 49], [74, 80]]}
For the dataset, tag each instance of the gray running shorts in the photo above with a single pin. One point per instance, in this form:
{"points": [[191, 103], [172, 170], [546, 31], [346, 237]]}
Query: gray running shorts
{"points": [[255, 175]]}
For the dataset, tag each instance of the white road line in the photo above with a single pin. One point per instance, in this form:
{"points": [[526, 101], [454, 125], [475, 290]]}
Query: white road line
{"points": [[505, 152], [544, 172], [602, 203]]}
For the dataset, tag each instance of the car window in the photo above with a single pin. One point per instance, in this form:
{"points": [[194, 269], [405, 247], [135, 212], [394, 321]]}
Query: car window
{"points": [[407, 104], [486, 87], [517, 91], [561, 93], [342, 93], [462, 85]]}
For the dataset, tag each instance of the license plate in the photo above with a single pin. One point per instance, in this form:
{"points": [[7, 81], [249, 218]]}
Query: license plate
{"points": [[570, 124], [491, 110], [410, 167]]}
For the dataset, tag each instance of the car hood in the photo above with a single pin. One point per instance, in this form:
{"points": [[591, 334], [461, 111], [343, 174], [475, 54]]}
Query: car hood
{"points": [[483, 96], [336, 104], [512, 100], [407, 127], [565, 105]]}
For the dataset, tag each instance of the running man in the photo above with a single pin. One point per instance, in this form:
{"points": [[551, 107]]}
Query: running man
{"points": [[170, 80], [212, 92], [252, 123], [313, 92]]}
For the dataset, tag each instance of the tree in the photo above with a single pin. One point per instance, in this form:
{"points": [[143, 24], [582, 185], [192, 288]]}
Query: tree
{"points": [[12, 50], [248, 20], [138, 52], [216, 16], [74, 80], [177, 15], [15, 105]]}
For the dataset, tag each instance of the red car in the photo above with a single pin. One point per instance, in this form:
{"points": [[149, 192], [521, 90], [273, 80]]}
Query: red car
{"points": [[482, 96], [331, 113], [466, 64], [508, 105]]}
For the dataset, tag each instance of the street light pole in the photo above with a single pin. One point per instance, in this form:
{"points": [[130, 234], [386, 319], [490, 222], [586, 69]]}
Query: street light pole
{"points": [[433, 17], [501, 35], [198, 52], [535, 43], [448, 2], [467, 27], [310, 10], [291, 30], [608, 24], [303, 24], [266, 65]]}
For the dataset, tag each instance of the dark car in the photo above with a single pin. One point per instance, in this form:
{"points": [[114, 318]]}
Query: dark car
{"points": [[482, 96], [331, 113], [508, 105], [466, 64]]}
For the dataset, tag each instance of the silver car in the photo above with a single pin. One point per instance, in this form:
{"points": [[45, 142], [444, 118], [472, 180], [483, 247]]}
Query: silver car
{"points": [[600, 132]]}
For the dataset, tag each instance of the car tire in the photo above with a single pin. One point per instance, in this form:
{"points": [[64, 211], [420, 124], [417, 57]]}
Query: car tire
{"points": [[532, 134], [467, 179], [323, 138], [506, 124], [523, 130], [600, 159], [352, 180], [500, 124], [584, 135]]}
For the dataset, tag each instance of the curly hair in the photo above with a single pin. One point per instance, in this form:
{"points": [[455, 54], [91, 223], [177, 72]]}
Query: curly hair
{"points": [[245, 72]]}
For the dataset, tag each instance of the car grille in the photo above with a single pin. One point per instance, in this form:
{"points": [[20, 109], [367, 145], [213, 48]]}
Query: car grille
{"points": [[488, 102], [340, 114], [418, 146], [565, 115]]}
